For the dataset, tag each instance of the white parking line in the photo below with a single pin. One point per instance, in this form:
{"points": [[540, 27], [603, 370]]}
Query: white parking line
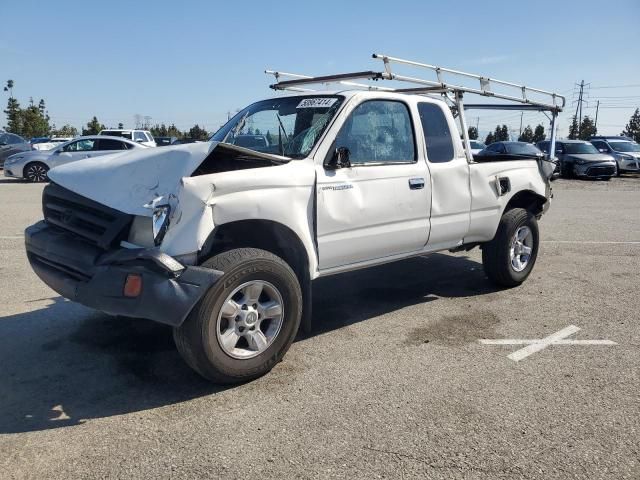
{"points": [[590, 242], [11, 237], [538, 344]]}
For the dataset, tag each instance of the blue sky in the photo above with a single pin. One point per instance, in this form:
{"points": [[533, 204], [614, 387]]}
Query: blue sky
{"points": [[192, 62]]}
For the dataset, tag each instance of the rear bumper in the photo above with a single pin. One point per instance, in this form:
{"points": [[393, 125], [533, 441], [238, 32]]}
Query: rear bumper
{"points": [[86, 274]]}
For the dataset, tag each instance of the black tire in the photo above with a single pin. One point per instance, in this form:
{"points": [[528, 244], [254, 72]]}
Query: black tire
{"points": [[496, 257], [617, 169], [35, 172], [196, 339], [566, 170]]}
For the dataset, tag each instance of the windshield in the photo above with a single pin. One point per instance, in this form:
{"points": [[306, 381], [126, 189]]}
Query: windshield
{"points": [[522, 149], [574, 148], [288, 126], [116, 133], [625, 146]]}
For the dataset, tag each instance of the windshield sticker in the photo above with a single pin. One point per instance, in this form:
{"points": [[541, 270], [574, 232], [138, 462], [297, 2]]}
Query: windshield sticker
{"points": [[317, 102]]}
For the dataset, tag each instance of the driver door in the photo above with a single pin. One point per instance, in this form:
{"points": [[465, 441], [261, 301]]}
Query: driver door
{"points": [[73, 151], [379, 206]]}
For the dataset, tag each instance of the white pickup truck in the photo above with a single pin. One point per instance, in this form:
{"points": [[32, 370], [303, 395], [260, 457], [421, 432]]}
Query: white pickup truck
{"points": [[223, 242]]}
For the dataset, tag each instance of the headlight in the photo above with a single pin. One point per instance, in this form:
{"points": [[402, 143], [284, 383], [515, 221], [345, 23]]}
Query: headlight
{"points": [[160, 222], [12, 159]]}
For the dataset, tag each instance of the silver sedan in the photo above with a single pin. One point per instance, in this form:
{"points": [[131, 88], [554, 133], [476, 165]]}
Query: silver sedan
{"points": [[34, 165]]}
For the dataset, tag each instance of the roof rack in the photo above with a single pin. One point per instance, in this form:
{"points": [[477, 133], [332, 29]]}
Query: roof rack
{"points": [[526, 98]]}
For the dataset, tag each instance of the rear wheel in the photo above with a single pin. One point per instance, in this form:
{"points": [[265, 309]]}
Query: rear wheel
{"points": [[509, 258], [36, 172], [246, 322]]}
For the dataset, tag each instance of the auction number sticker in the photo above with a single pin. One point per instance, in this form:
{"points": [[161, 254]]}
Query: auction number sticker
{"points": [[317, 102]]}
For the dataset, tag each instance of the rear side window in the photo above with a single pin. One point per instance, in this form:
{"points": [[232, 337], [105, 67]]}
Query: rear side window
{"points": [[108, 144], [139, 137], [437, 134]]}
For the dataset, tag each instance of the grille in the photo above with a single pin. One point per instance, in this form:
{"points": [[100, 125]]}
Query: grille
{"points": [[598, 171], [92, 221]]}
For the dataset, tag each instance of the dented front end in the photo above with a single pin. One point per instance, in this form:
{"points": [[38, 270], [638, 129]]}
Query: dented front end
{"points": [[122, 234]]}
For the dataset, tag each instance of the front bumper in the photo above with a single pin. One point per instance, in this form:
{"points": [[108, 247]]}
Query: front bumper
{"points": [[629, 165], [88, 275], [9, 171], [595, 169]]}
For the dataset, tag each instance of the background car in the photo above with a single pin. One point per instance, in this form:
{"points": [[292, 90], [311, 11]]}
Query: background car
{"points": [[34, 165], [142, 137], [476, 146], [10, 144], [625, 151], [50, 143], [581, 159], [165, 141], [510, 151]]}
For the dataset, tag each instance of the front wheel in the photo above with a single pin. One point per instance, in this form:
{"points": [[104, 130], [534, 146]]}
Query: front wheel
{"points": [[36, 172], [246, 322], [509, 258]]}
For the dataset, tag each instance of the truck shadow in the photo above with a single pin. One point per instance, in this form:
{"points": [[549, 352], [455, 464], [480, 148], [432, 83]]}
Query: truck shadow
{"points": [[65, 364]]}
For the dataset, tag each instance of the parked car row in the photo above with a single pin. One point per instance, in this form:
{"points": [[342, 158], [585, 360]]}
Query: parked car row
{"points": [[35, 164], [600, 158]]}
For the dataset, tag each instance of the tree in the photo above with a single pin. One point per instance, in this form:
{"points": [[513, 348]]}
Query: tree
{"points": [[587, 129], [120, 126], [93, 127], [504, 133], [473, 133], [490, 139], [35, 121], [14, 116], [198, 133], [538, 133], [159, 130], [501, 134], [632, 128], [65, 131], [174, 131], [526, 135], [9, 88], [574, 129]]}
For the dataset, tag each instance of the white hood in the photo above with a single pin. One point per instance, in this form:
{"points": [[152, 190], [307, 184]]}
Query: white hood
{"points": [[127, 181]]}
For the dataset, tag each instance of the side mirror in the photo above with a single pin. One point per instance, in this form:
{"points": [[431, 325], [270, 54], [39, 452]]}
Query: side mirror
{"points": [[339, 159]]}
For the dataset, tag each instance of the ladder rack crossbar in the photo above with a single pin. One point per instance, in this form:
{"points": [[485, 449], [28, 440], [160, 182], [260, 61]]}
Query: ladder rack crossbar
{"points": [[294, 81]]}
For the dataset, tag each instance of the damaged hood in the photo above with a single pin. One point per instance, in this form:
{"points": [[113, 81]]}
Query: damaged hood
{"points": [[127, 181]]}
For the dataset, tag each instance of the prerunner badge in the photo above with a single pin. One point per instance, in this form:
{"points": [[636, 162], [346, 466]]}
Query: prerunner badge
{"points": [[317, 102]]}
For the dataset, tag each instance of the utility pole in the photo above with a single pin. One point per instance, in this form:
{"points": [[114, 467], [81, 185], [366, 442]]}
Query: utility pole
{"points": [[521, 113], [579, 107], [597, 108]]}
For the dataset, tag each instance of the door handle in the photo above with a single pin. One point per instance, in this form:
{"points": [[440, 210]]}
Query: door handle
{"points": [[416, 183]]}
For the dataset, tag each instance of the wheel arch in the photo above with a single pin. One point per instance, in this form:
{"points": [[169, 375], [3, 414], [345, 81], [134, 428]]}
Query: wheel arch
{"points": [[527, 199], [267, 235]]}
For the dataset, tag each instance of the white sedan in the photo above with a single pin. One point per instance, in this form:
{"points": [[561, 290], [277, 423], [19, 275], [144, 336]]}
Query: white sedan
{"points": [[34, 165]]}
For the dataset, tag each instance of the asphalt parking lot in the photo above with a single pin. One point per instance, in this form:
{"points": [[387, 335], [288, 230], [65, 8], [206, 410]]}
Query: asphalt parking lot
{"points": [[392, 383]]}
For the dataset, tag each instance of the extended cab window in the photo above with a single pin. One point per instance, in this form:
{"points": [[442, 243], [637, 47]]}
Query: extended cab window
{"points": [[437, 134], [139, 137], [378, 131]]}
